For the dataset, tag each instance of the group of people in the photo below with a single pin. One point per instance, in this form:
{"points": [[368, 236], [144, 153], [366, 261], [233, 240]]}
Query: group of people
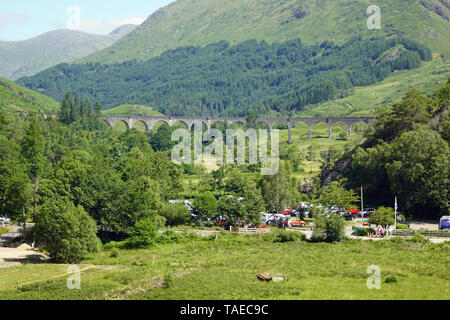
{"points": [[380, 232]]}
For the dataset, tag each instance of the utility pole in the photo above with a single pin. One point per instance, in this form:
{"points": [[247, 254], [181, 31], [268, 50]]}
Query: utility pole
{"points": [[362, 200], [395, 214]]}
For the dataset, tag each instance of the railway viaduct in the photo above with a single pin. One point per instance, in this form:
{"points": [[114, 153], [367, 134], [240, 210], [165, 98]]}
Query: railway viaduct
{"points": [[150, 122]]}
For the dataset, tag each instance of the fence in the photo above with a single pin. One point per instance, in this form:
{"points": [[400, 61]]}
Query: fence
{"points": [[253, 230]]}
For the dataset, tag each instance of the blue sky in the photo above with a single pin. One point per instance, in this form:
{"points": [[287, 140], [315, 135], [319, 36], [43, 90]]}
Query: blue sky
{"points": [[24, 19]]}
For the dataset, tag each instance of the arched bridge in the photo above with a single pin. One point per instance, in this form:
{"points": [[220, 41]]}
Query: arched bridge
{"points": [[150, 121]]}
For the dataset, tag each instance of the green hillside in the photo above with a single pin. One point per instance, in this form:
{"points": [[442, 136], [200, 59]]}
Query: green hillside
{"points": [[201, 22], [16, 98], [130, 110], [220, 79], [25, 58], [364, 100]]}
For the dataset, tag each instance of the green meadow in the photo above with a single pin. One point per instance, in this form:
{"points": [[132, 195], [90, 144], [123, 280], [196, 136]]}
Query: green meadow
{"points": [[226, 268]]}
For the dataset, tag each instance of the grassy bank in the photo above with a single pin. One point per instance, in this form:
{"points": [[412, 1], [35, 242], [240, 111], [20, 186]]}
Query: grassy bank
{"points": [[226, 268]]}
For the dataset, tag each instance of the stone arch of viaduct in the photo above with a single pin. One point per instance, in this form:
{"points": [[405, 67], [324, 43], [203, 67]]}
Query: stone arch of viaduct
{"points": [[151, 121]]}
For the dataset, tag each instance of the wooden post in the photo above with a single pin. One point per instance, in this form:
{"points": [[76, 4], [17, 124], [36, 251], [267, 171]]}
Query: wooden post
{"points": [[290, 135]]}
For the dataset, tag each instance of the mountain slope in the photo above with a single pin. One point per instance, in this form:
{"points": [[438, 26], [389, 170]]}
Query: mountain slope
{"points": [[201, 22], [16, 98], [25, 58], [220, 79]]}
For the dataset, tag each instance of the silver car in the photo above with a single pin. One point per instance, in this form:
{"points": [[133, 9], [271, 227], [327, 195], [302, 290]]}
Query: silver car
{"points": [[5, 220]]}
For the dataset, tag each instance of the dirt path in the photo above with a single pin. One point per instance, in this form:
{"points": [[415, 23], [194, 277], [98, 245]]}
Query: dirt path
{"points": [[20, 254]]}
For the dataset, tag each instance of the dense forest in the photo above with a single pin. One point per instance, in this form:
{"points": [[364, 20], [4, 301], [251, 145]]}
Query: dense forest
{"points": [[406, 154], [220, 79]]}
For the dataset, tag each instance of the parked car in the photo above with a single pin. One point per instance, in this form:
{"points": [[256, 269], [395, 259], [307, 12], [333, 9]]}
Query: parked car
{"points": [[366, 213], [444, 223], [349, 216], [287, 211], [293, 222], [5, 220], [226, 224], [275, 219], [261, 226]]}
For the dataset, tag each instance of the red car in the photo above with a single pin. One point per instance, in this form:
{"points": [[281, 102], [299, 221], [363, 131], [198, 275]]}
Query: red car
{"points": [[225, 223], [287, 211], [354, 211], [257, 227]]}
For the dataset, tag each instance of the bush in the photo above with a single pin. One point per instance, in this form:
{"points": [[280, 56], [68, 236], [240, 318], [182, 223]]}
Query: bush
{"points": [[167, 281], [66, 232], [175, 214], [364, 232], [114, 253], [391, 279], [401, 226], [328, 229], [382, 217], [177, 237], [419, 238], [144, 234], [343, 136], [285, 236]]}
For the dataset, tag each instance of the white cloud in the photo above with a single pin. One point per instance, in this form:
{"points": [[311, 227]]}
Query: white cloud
{"points": [[105, 27], [9, 18]]}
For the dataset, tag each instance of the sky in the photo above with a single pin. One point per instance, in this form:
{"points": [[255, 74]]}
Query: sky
{"points": [[24, 19]]}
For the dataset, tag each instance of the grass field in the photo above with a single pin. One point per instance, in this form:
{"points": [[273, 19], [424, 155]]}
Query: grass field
{"points": [[130, 110], [226, 268]]}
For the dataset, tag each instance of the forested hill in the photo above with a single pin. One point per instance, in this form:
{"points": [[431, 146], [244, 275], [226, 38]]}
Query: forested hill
{"points": [[221, 79]]}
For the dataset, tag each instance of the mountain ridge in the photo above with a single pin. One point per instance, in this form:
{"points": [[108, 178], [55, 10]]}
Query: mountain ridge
{"points": [[201, 22], [28, 57]]}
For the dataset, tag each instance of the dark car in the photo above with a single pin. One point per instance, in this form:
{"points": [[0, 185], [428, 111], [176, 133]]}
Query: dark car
{"points": [[366, 213], [348, 216]]}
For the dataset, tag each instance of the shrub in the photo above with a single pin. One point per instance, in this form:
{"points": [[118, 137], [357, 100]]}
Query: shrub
{"points": [[382, 217], [364, 232], [114, 253], [286, 236], [177, 237], [167, 281], [391, 279], [175, 214], [144, 234], [401, 226], [66, 232], [419, 238], [343, 136], [329, 229]]}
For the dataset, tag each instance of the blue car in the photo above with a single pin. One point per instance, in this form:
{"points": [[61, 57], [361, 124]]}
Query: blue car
{"points": [[444, 223]]}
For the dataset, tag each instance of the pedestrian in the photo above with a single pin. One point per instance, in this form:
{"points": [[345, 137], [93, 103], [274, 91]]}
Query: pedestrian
{"points": [[382, 232]]}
